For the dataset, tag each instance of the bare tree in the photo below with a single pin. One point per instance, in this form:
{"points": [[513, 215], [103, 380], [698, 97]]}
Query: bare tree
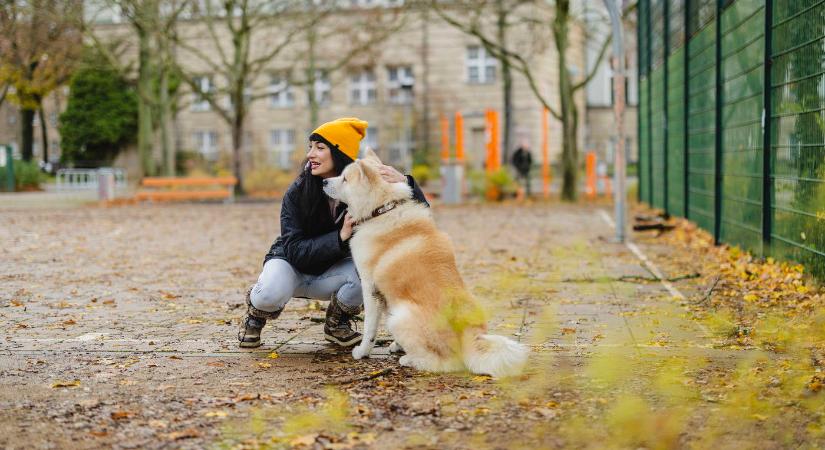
{"points": [[154, 23], [233, 44], [560, 26], [356, 36], [39, 43]]}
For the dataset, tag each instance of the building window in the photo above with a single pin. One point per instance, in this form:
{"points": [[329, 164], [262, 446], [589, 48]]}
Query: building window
{"points": [[481, 67], [322, 87], [206, 143], [370, 140], [282, 144], [280, 92], [362, 88], [205, 85], [400, 82]]}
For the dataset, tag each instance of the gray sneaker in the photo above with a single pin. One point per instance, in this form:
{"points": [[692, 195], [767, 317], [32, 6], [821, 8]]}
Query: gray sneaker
{"points": [[338, 325]]}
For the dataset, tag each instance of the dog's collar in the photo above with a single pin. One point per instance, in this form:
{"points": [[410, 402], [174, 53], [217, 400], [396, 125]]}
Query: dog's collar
{"points": [[383, 209]]}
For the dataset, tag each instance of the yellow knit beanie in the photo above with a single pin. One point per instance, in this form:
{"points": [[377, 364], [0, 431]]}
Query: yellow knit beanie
{"points": [[344, 134]]}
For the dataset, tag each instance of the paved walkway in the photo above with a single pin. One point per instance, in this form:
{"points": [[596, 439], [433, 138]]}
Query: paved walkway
{"points": [[136, 309]]}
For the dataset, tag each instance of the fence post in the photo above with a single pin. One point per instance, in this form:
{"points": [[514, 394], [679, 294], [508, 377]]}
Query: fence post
{"points": [[649, 190], [686, 96], [717, 161], [666, 52], [9, 169], [766, 133]]}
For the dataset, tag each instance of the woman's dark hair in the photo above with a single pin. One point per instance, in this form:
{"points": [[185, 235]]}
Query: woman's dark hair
{"points": [[310, 193]]}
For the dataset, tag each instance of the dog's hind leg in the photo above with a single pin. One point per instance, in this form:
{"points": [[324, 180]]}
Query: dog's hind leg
{"points": [[373, 308]]}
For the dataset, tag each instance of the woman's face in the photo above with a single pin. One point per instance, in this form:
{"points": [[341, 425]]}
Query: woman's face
{"points": [[320, 160]]}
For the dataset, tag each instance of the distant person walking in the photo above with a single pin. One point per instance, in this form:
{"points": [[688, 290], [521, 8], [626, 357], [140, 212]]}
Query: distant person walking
{"points": [[522, 161]]}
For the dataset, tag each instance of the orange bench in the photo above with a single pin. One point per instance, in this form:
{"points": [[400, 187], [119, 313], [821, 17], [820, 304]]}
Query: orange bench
{"points": [[183, 189]]}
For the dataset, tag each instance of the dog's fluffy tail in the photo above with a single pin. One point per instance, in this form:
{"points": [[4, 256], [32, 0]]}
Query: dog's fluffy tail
{"points": [[493, 355]]}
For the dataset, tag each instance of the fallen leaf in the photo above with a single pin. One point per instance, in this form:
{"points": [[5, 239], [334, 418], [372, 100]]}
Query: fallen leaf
{"points": [[481, 378], [120, 415], [568, 331], [159, 424], [307, 439], [216, 364], [15, 302], [264, 365], [175, 357], [99, 433], [183, 434], [66, 384], [272, 355], [69, 322], [169, 296], [215, 414]]}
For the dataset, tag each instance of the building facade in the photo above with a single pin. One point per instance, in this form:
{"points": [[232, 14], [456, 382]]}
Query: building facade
{"points": [[403, 86]]}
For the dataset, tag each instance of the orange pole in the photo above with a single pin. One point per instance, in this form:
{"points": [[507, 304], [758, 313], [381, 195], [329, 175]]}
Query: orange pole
{"points": [[445, 138], [495, 150], [488, 160], [590, 170], [545, 152], [459, 136]]}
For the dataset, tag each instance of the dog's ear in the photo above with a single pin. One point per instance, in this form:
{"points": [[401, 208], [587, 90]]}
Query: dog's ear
{"points": [[368, 170], [368, 153]]}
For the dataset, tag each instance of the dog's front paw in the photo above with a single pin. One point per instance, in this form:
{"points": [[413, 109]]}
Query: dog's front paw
{"points": [[360, 352], [395, 347]]}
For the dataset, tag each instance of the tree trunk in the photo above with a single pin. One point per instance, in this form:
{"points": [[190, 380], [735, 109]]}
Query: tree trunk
{"points": [[313, 102], [44, 134], [569, 115], [237, 146], [145, 132], [165, 136], [26, 134], [507, 85]]}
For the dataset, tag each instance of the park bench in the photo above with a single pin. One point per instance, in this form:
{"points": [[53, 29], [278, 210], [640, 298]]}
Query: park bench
{"points": [[166, 189]]}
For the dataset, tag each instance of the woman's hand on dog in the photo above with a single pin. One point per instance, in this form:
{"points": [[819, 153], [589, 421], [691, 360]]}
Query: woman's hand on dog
{"points": [[391, 175], [346, 230]]}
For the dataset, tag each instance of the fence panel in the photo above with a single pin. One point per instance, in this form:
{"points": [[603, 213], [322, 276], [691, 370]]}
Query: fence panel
{"points": [[676, 110], [701, 127], [743, 49], [798, 132], [658, 152]]}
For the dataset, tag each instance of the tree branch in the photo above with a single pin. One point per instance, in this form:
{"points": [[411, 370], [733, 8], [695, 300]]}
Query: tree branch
{"points": [[595, 68]]}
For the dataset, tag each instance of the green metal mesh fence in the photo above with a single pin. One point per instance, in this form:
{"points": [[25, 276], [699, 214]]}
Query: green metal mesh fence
{"points": [[743, 48], [769, 200], [701, 126], [798, 132]]}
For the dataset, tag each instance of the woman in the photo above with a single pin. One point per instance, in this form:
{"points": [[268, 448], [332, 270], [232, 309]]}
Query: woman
{"points": [[311, 257]]}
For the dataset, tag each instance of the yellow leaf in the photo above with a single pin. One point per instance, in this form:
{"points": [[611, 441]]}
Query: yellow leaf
{"points": [[802, 289], [264, 365], [480, 378], [66, 384], [272, 355], [216, 414], [307, 439], [751, 298]]}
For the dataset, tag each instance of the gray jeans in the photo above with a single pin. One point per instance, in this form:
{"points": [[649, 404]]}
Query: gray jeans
{"points": [[279, 282]]}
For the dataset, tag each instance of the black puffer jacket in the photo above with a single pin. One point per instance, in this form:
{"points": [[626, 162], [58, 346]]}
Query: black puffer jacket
{"points": [[316, 250]]}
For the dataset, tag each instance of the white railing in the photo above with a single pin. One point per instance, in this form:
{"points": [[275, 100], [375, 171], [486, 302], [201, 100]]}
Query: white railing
{"points": [[87, 179]]}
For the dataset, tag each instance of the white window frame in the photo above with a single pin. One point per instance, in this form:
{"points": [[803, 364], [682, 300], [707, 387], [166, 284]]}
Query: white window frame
{"points": [[206, 144], [397, 78], [362, 88], [282, 145], [481, 62], [322, 88], [199, 103], [281, 94], [370, 140]]}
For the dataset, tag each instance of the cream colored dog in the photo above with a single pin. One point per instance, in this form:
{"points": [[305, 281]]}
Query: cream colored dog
{"points": [[408, 269]]}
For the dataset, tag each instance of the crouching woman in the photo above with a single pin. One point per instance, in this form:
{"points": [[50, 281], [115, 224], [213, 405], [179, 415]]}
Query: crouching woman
{"points": [[311, 258]]}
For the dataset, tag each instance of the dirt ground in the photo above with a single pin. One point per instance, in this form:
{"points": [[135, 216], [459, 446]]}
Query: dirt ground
{"points": [[119, 331]]}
